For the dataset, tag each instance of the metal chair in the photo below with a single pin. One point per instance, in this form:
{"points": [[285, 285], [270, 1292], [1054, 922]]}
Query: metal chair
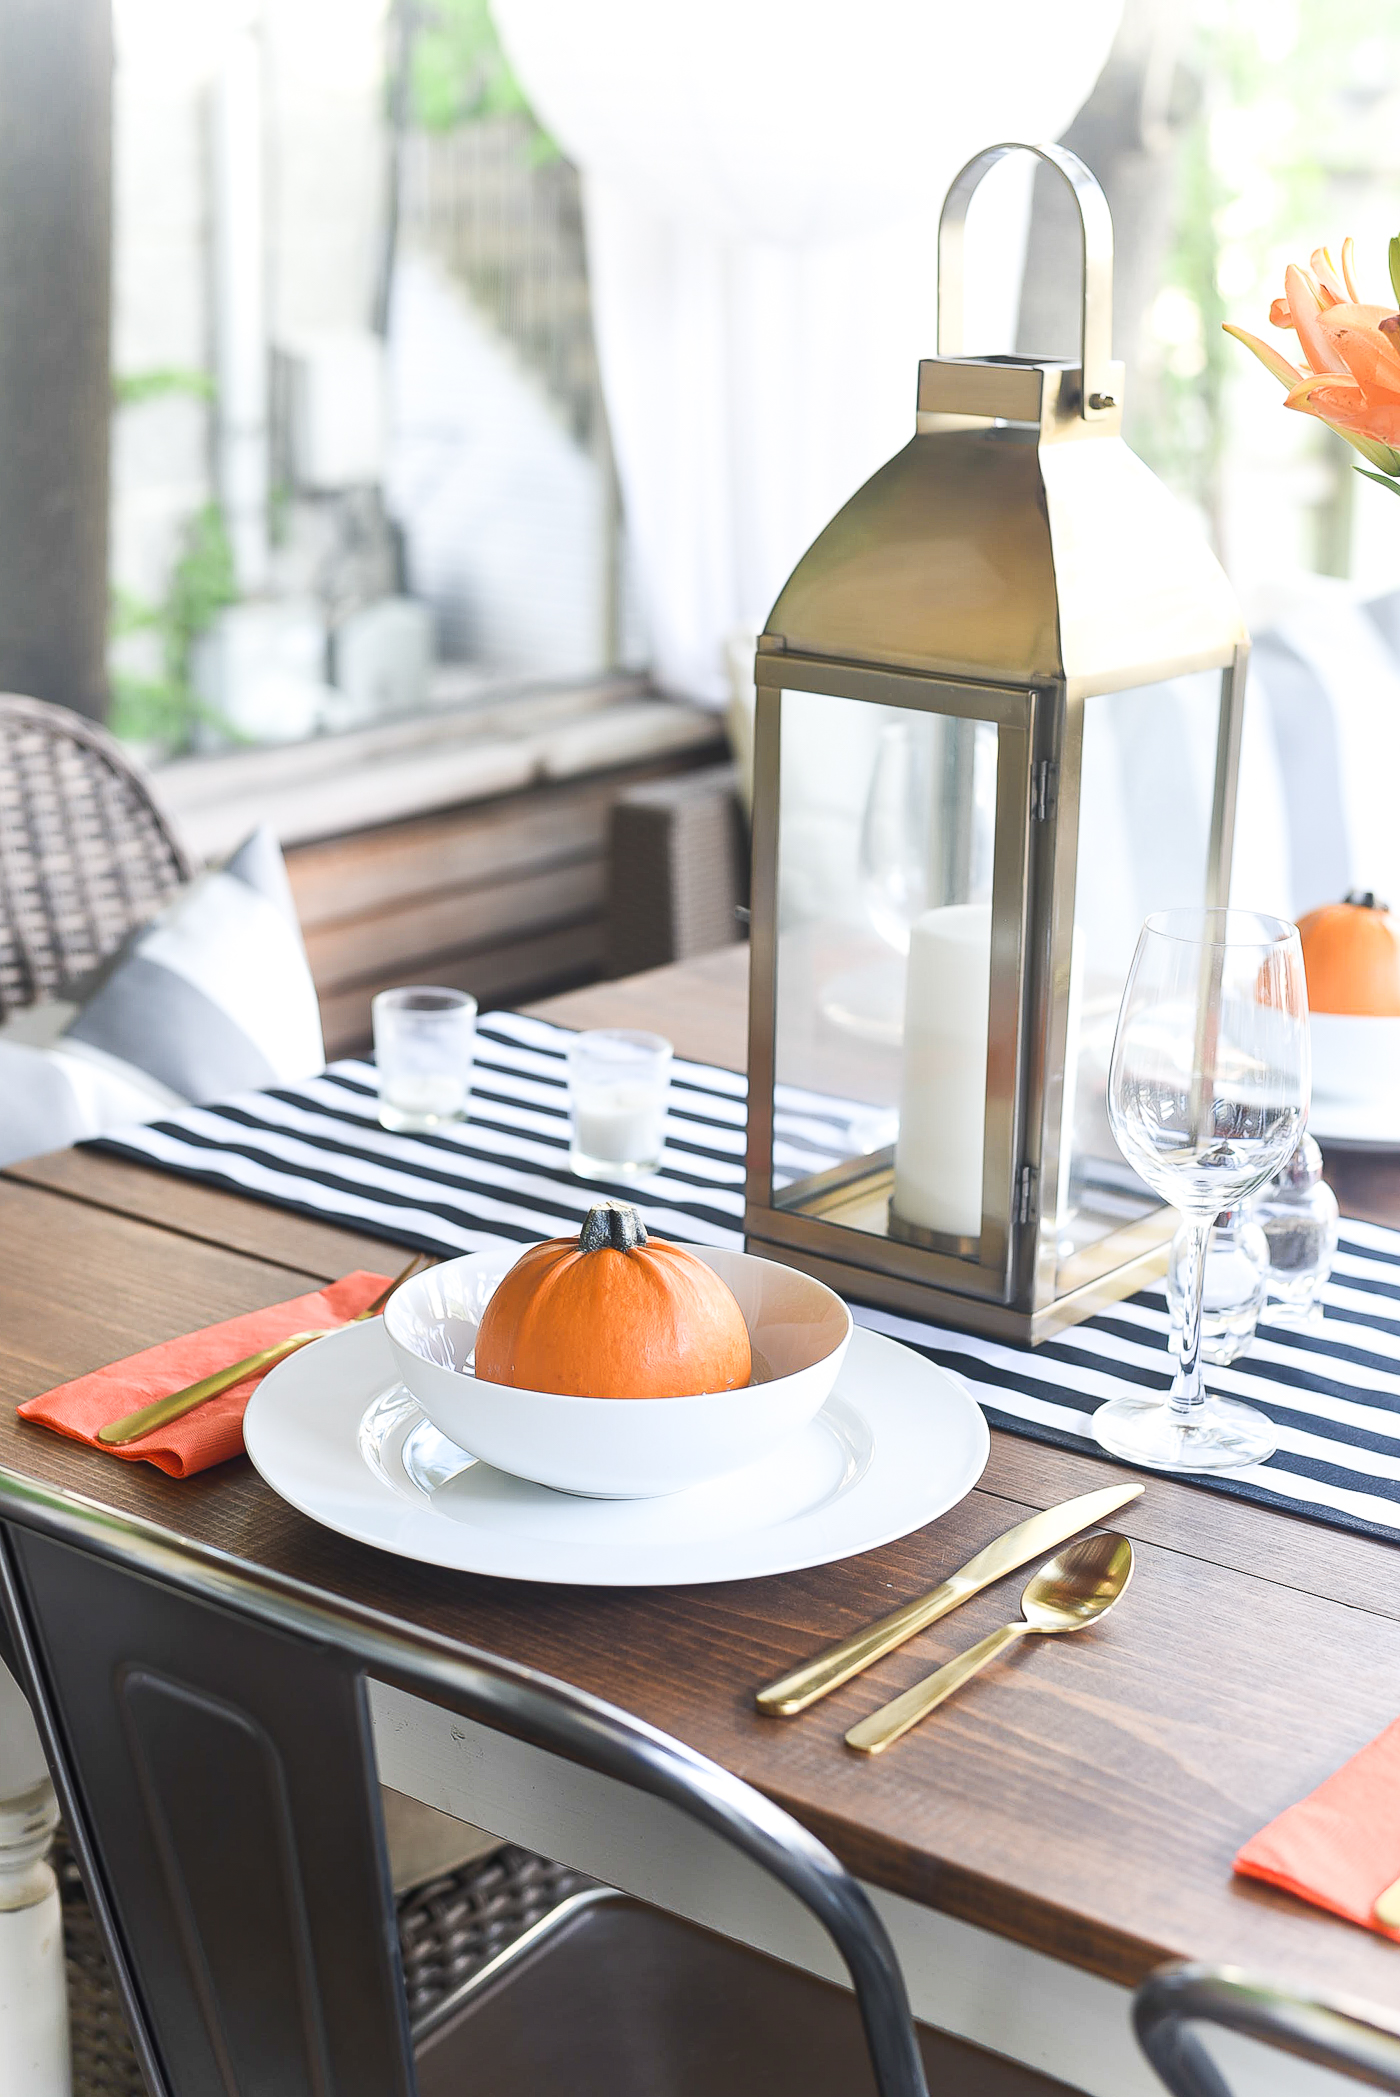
{"points": [[210, 1739], [86, 853], [1352, 2038]]}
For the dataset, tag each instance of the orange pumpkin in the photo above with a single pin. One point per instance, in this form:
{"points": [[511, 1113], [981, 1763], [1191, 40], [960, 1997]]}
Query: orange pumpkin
{"points": [[1351, 957], [613, 1314]]}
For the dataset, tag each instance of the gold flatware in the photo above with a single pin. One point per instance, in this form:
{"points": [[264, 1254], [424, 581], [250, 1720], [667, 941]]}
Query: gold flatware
{"points": [[1387, 1908], [1054, 1525], [162, 1411], [1074, 1589]]}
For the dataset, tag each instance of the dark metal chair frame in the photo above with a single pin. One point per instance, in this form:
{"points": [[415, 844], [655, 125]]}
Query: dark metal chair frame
{"points": [[208, 1728], [1353, 2038]]}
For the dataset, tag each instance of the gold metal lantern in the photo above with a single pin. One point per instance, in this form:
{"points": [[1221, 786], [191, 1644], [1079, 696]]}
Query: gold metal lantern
{"points": [[998, 721]]}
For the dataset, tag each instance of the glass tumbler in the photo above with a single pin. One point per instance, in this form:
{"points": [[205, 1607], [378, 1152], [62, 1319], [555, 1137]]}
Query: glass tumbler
{"points": [[619, 1084], [423, 1043]]}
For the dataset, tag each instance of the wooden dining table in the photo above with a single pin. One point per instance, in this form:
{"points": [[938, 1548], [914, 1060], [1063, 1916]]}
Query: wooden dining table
{"points": [[1036, 1848]]}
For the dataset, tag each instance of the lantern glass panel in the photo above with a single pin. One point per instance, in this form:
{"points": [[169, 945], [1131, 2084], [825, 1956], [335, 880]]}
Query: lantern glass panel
{"points": [[886, 844], [1146, 784]]}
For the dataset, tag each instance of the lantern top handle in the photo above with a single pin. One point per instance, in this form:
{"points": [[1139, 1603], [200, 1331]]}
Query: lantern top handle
{"points": [[1099, 387]]}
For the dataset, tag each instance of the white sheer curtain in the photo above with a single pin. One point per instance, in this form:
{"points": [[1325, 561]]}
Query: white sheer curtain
{"points": [[762, 181]]}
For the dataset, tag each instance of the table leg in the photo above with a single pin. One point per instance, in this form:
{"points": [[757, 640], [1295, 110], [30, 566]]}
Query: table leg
{"points": [[34, 2058]]}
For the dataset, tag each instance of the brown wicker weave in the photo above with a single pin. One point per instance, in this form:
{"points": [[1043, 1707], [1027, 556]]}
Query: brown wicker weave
{"points": [[86, 854], [448, 1930]]}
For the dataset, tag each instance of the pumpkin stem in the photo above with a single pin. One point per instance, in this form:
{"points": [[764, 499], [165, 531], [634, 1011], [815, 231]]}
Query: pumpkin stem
{"points": [[1362, 899], [612, 1223]]}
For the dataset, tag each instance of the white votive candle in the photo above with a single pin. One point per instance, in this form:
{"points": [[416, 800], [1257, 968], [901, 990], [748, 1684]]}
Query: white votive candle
{"points": [[619, 1085], [620, 1124], [943, 1090]]}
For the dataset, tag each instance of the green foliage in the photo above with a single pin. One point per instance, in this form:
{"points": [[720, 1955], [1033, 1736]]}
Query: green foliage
{"points": [[458, 72], [1394, 259], [165, 709], [130, 389]]}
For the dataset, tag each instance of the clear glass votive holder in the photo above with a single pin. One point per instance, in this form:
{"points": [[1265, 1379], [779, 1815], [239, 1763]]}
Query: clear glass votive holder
{"points": [[424, 1038], [619, 1084]]}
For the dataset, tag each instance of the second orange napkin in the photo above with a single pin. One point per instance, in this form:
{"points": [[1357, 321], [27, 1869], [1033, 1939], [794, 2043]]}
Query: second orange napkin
{"points": [[1340, 1846], [214, 1431]]}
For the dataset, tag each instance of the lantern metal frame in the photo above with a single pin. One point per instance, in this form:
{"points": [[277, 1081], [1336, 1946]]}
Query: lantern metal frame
{"points": [[1015, 455]]}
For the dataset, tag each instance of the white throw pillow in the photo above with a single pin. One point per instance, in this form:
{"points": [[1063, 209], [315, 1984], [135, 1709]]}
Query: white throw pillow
{"points": [[212, 997]]}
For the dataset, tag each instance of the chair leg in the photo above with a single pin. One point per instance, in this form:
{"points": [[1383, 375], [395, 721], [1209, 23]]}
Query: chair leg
{"points": [[33, 1998]]}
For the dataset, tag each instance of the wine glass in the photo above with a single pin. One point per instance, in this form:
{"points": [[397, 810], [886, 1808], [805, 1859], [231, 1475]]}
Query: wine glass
{"points": [[1208, 1091], [894, 835]]}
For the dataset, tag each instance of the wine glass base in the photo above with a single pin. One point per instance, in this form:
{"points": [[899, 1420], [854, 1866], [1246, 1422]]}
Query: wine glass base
{"points": [[1221, 1435]]}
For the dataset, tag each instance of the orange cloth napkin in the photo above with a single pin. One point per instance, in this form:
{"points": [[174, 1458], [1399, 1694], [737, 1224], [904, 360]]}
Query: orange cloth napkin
{"points": [[1340, 1846], [213, 1432]]}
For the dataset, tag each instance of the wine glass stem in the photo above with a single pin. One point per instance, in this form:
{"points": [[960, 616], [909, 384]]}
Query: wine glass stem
{"points": [[1187, 1390]]}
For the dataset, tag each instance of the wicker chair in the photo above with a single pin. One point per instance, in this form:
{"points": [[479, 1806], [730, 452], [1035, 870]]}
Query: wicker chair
{"points": [[86, 854]]}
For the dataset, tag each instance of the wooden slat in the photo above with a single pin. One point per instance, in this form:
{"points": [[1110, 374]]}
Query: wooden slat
{"points": [[453, 921], [1085, 1799], [495, 975], [546, 826]]}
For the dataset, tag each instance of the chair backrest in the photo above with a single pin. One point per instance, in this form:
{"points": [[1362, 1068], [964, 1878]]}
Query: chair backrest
{"points": [[1351, 2038], [210, 1740], [86, 854]]}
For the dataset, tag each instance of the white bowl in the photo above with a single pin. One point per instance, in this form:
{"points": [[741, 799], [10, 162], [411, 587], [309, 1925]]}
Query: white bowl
{"points": [[1356, 1058], [620, 1448]]}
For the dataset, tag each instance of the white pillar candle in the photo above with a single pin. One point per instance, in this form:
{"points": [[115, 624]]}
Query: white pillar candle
{"points": [[943, 1091]]}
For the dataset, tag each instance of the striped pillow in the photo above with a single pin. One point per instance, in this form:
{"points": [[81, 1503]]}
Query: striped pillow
{"points": [[212, 997]]}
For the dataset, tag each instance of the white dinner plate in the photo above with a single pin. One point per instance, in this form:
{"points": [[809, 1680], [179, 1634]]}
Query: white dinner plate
{"points": [[335, 1433], [1343, 1124]]}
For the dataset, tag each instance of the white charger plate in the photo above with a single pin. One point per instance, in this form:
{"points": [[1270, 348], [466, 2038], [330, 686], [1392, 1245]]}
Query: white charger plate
{"points": [[334, 1433]]}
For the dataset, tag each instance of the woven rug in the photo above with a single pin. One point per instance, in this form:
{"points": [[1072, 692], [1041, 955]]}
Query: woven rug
{"points": [[450, 1927], [1333, 1393]]}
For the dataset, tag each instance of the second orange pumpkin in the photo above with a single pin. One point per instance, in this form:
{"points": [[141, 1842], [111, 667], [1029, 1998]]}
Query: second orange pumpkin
{"points": [[1351, 956]]}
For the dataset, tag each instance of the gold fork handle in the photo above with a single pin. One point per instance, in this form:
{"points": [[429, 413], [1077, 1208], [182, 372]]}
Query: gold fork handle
{"points": [[893, 1720], [162, 1411]]}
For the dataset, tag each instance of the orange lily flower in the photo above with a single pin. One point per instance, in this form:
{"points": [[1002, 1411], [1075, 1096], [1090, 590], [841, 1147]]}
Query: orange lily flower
{"points": [[1350, 376]]}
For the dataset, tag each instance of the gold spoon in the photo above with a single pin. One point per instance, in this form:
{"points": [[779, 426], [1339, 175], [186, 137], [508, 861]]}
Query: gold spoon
{"points": [[1074, 1588]]}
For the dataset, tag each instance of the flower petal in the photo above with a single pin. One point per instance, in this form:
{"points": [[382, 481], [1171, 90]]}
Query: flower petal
{"points": [[1368, 354], [1280, 315], [1320, 389], [1325, 271], [1277, 363], [1303, 304], [1348, 411], [1348, 258]]}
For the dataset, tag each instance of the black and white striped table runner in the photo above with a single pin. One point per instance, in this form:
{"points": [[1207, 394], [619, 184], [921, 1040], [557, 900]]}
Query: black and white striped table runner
{"points": [[1333, 1393]]}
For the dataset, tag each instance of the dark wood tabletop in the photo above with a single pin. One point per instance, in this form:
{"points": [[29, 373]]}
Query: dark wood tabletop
{"points": [[1086, 1799]]}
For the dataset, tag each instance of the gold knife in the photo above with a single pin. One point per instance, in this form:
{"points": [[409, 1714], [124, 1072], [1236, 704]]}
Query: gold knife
{"points": [[1041, 1532], [1387, 1908]]}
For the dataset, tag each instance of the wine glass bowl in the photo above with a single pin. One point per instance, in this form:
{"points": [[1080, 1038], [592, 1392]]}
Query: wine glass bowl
{"points": [[1207, 1097], [895, 831]]}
